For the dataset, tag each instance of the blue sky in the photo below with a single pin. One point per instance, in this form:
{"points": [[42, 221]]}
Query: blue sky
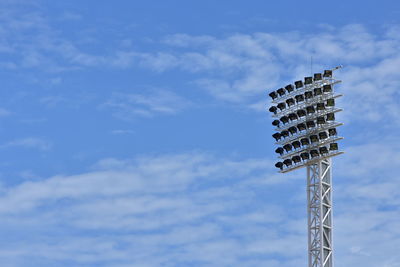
{"points": [[136, 134]]}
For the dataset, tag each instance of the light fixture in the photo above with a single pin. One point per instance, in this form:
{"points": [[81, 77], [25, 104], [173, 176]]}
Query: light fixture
{"points": [[330, 102], [281, 91], [279, 150], [289, 88], [304, 118], [310, 109], [333, 146], [314, 138], [332, 132], [314, 153], [298, 84], [281, 106], [277, 136], [305, 141], [287, 162], [301, 113], [284, 119], [290, 102], [296, 159], [305, 156], [279, 165], [320, 106], [292, 116], [322, 135], [299, 98], [273, 95], [292, 130], [317, 91], [310, 124], [321, 120], [327, 88], [317, 76], [323, 150], [273, 109], [308, 80], [328, 74], [330, 116], [296, 144], [308, 95], [284, 134], [301, 126], [287, 147]]}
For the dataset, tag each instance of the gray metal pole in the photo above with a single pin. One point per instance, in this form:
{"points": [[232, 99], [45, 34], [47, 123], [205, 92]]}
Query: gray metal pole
{"points": [[319, 209]]}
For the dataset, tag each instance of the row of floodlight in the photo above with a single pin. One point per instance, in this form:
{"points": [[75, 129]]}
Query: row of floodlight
{"points": [[304, 142], [301, 113], [297, 100], [299, 84], [298, 128], [305, 156]]}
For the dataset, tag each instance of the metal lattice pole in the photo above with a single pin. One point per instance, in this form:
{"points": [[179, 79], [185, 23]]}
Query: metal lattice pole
{"points": [[319, 208]]}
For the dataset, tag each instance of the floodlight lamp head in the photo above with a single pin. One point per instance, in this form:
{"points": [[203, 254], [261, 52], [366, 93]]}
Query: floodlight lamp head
{"points": [[333, 147], [289, 88], [308, 95], [276, 123], [296, 159], [305, 156], [305, 142], [292, 116], [281, 91], [321, 120], [314, 153], [328, 73], [279, 165], [317, 91], [290, 102], [322, 135], [332, 132], [327, 88], [298, 84], [279, 151], [301, 127], [308, 80], [273, 109], [277, 136], [284, 119], [281, 106], [292, 130], [285, 134], [296, 144], [273, 95], [330, 102], [330, 116], [299, 98], [317, 76], [287, 162], [323, 150], [288, 147], [301, 113]]}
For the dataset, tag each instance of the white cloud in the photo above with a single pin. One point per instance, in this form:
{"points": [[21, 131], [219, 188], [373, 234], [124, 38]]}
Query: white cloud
{"points": [[128, 106], [29, 142]]}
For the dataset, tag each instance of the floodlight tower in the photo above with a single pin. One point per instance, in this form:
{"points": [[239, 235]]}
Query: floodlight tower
{"points": [[304, 117]]}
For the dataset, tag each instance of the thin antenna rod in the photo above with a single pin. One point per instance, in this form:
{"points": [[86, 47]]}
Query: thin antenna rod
{"points": [[311, 67]]}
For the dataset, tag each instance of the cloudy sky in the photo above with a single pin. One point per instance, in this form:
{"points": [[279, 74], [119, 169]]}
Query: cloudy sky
{"points": [[135, 133]]}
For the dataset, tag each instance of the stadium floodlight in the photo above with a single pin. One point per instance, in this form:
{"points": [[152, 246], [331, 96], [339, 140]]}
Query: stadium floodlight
{"points": [[298, 84], [305, 121]]}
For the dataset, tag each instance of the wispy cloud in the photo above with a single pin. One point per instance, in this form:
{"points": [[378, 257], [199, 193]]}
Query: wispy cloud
{"points": [[29, 142], [128, 106]]}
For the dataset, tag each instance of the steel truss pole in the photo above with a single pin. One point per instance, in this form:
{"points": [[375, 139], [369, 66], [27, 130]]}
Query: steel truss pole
{"points": [[319, 209]]}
